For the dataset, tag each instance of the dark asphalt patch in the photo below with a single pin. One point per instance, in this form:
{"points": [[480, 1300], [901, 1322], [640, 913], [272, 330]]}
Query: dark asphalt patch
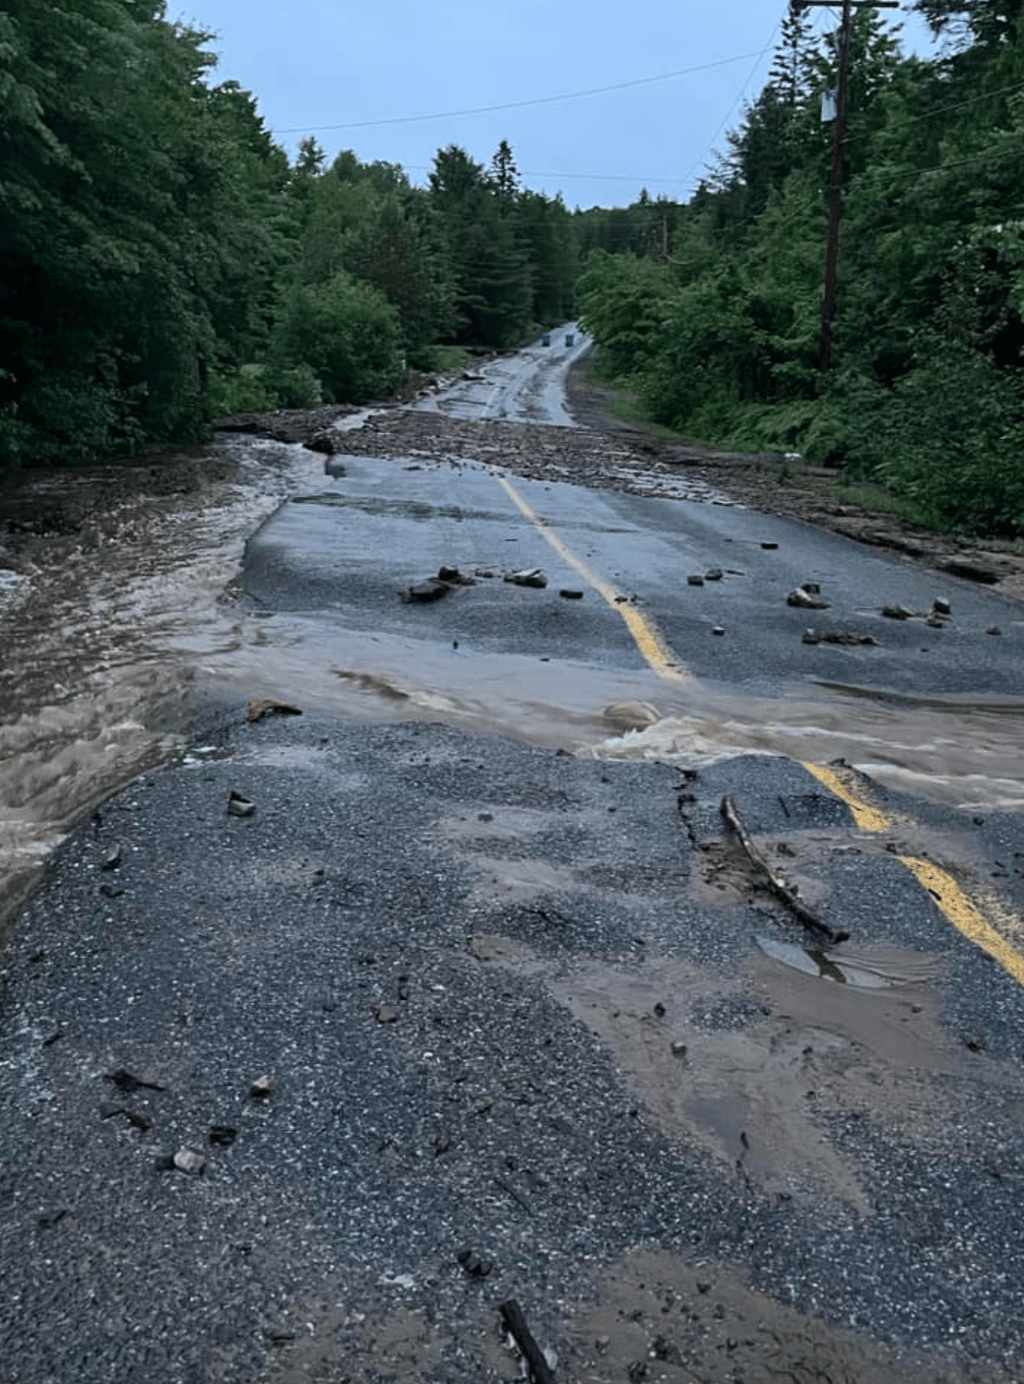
{"points": [[488, 1114]]}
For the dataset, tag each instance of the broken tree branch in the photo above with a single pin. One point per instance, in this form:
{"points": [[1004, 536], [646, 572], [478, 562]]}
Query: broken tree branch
{"points": [[773, 882], [515, 1324]]}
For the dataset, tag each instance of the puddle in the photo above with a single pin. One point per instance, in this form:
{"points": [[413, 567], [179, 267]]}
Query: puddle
{"points": [[745, 1065], [881, 967]]}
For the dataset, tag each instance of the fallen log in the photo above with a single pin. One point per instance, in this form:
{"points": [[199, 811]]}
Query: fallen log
{"points": [[773, 882], [515, 1324]]}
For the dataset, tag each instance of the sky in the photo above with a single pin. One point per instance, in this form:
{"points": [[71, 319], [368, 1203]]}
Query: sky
{"points": [[364, 67]]}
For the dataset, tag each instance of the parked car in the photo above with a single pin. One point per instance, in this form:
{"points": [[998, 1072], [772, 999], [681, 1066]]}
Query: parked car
{"points": [[546, 339], [569, 338]]}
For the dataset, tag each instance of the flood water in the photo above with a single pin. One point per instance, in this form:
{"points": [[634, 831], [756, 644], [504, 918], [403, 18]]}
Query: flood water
{"points": [[107, 652]]}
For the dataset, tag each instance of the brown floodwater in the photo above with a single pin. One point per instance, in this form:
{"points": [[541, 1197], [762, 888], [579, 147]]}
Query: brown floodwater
{"points": [[112, 635]]}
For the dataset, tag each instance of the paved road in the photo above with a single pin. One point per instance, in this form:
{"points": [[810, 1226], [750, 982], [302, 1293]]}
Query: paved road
{"points": [[528, 387], [528, 1007]]}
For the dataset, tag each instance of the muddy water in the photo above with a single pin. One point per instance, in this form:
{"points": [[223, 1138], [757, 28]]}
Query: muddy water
{"points": [[110, 639], [103, 639]]}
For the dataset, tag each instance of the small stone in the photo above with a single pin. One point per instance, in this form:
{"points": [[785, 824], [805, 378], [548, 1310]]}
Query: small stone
{"points": [[188, 1161], [601, 1344], [896, 612], [941, 606], [449, 574], [128, 1081], [659, 1010], [112, 859], [718, 630], [278, 1335], [48, 1219], [976, 1044], [262, 1087], [811, 587], [386, 1015], [713, 574], [425, 591], [678, 1049], [269, 706], [138, 1121], [485, 816], [569, 593], [111, 891], [769, 545], [695, 579], [993, 629], [936, 622], [473, 1264], [164, 1161], [239, 805], [806, 600], [223, 1135], [529, 576]]}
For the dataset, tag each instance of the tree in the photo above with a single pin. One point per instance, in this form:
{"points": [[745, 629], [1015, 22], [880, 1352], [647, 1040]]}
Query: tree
{"points": [[504, 174]]}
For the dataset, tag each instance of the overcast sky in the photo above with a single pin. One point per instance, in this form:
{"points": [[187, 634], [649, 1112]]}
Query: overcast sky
{"points": [[314, 64]]}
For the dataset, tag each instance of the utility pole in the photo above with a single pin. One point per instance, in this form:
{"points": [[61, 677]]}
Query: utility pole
{"points": [[830, 295]]}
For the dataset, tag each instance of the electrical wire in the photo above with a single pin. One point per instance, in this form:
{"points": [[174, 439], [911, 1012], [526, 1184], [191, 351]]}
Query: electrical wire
{"points": [[729, 114], [518, 105]]}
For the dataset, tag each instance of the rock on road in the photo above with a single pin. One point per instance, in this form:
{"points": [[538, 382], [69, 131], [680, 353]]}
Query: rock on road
{"points": [[325, 1041]]}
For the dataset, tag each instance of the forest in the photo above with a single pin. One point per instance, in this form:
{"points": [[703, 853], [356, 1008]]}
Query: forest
{"points": [[163, 261], [719, 336]]}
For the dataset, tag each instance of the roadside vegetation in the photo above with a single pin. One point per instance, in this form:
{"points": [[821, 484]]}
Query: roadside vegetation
{"points": [[718, 337], [162, 261]]}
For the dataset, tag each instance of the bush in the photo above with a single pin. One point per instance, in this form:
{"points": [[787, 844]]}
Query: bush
{"points": [[296, 387], [949, 437], [345, 333], [245, 390]]}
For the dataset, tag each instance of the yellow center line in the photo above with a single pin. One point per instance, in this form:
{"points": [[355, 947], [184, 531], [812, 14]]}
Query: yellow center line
{"points": [[949, 897], [646, 635], [963, 914], [867, 818]]}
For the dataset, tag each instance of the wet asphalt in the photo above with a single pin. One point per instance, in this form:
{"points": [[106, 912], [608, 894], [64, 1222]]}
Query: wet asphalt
{"points": [[389, 937]]}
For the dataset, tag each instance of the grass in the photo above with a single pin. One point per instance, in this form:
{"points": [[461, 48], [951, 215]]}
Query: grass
{"points": [[880, 500], [449, 357]]}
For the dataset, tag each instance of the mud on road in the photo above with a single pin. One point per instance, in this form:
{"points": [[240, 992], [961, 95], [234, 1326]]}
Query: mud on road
{"points": [[511, 1003], [520, 1043]]}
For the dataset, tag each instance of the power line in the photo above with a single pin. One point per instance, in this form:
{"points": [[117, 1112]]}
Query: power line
{"points": [[518, 105], [742, 92]]}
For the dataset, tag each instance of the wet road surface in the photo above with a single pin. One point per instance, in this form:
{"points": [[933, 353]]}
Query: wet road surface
{"points": [[514, 1001]]}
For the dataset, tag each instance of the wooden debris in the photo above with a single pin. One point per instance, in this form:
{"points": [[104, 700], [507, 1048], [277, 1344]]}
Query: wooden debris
{"points": [[836, 637], [773, 882], [515, 1324]]}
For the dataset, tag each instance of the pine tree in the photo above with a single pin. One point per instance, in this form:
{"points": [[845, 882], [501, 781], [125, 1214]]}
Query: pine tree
{"points": [[504, 173]]}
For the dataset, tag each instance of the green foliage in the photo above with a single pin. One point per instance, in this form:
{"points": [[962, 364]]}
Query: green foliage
{"points": [[345, 332], [719, 337]]}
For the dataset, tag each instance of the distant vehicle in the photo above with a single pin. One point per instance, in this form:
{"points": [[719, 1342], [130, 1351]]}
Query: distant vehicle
{"points": [[546, 339], [569, 338]]}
